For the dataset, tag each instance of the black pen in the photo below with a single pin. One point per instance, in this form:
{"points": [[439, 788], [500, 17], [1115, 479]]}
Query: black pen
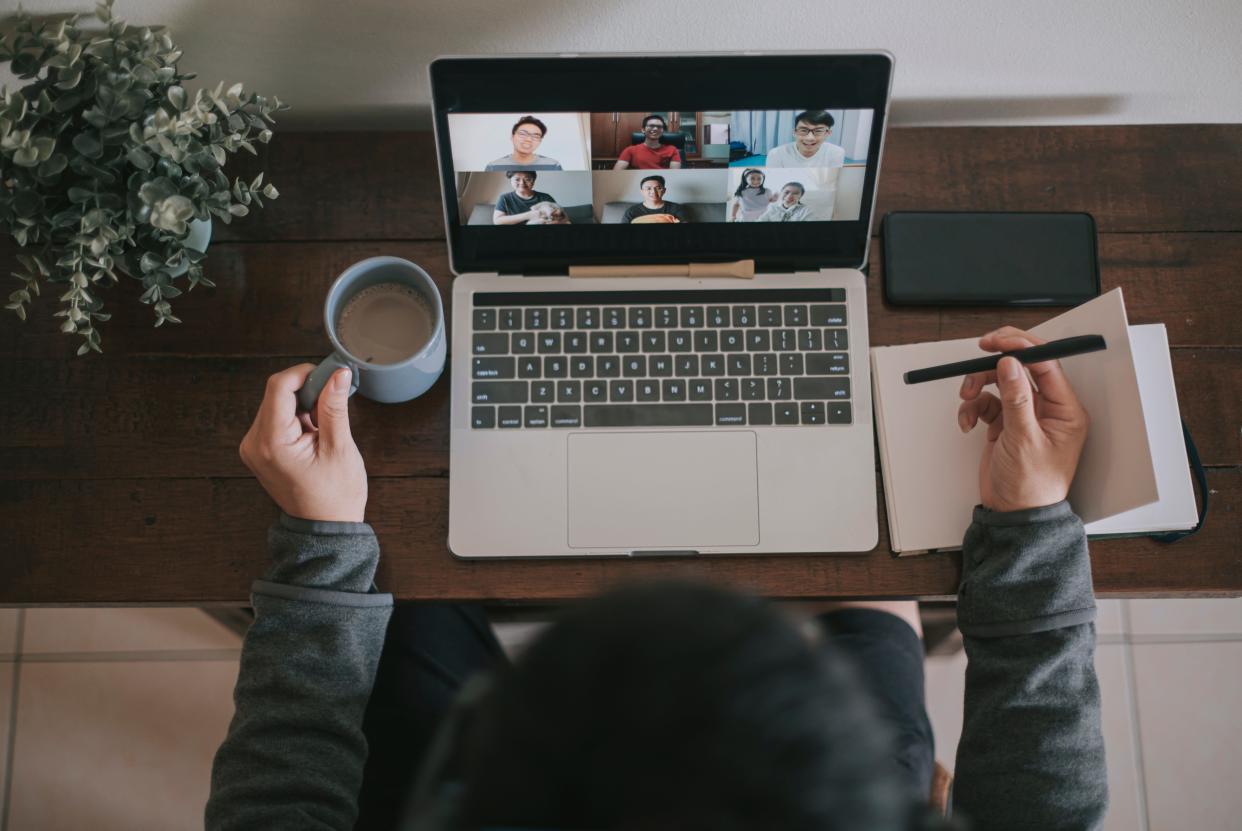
{"points": [[1049, 351]]}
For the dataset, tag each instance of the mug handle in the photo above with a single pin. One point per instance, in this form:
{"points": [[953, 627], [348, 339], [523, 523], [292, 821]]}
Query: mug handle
{"points": [[308, 395]]}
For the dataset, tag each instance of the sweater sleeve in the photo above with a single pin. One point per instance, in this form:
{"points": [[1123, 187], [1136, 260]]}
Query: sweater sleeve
{"points": [[1031, 753], [294, 753]]}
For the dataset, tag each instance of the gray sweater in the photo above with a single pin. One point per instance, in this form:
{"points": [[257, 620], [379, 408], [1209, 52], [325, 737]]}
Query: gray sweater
{"points": [[1031, 753]]}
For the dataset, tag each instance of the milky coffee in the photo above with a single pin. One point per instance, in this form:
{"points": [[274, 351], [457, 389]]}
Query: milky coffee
{"points": [[385, 323]]}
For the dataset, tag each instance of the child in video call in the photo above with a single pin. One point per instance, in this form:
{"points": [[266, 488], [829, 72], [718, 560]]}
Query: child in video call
{"points": [[751, 198], [790, 207]]}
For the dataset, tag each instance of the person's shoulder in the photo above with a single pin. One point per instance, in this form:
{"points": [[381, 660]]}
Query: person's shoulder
{"points": [[626, 153], [837, 151], [780, 151], [668, 150], [549, 163]]}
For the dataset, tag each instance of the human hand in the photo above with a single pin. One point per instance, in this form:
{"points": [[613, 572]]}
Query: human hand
{"points": [[1035, 436], [311, 472]]}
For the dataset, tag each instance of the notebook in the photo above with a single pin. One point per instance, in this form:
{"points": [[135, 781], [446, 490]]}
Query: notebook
{"points": [[1132, 478]]}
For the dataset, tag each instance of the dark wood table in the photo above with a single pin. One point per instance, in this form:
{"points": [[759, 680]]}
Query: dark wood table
{"points": [[119, 475]]}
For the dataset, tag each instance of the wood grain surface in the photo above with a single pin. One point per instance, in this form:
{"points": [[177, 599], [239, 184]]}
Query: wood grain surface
{"points": [[119, 475]]}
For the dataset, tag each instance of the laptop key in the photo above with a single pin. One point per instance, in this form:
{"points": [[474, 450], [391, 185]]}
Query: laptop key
{"points": [[718, 316], [542, 392], [839, 412], [828, 363], [498, 392], [760, 414], [536, 416], [828, 315], [549, 343], [810, 340], [795, 315], [836, 339], [562, 318], [529, 368], [595, 391], [687, 366], [634, 366], [666, 317], [730, 414], [765, 364], [588, 317], [647, 390], [490, 344], [784, 340], [769, 316], [648, 415], [581, 367], [509, 417], [653, 341], [536, 318], [510, 319], [493, 368], [713, 365], [779, 389], [601, 342], [640, 317], [482, 417], [484, 320], [786, 413], [569, 392], [608, 366], [660, 366], [628, 342], [738, 364], [758, 340], [575, 343], [691, 317], [674, 390], [812, 412], [753, 389], [726, 389], [522, 343], [567, 416], [614, 317], [555, 366], [700, 390], [791, 363], [620, 391], [743, 316], [706, 341], [821, 388], [731, 340], [680, 341]]}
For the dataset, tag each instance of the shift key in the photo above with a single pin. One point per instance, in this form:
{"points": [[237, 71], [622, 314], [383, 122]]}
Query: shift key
{"points": [[820, 389], [498, 392]]}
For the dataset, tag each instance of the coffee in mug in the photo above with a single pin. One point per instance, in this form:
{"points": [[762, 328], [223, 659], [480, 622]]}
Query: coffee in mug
{"points": [[385, 323]]}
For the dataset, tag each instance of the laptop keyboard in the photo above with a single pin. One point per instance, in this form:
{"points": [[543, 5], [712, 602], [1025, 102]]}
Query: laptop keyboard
{"points": [[660, 359]]}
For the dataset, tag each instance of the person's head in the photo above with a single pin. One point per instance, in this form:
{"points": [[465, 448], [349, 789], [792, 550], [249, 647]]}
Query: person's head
{"points": [[676, 706], [652, 188], [527, 134], [752, 177], [654, 126], [811, 128], [523, 181], [792, 193]]}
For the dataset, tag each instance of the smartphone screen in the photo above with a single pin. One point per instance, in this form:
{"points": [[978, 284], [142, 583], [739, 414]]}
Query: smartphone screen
{"points": [[990, 259]]}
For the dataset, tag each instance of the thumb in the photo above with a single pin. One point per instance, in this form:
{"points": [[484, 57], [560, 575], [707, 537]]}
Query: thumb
{"points": [[334, 410], [1017, 401]]}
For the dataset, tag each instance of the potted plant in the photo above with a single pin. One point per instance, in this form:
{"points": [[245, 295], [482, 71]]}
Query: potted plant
{"points": [[108, 163]]}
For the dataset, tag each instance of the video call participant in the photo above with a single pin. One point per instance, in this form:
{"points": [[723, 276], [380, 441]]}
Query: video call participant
{"points": [[810, 147], [653, 207], [651, 154], [517, 207], [790, 207], [526, 136], [751, 198]]}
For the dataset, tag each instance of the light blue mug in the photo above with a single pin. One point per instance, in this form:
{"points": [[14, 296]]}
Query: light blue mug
{"points": [[388, 383]]}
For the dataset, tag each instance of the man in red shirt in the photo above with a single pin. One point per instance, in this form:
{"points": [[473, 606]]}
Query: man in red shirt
{"points": [[651, 154]]}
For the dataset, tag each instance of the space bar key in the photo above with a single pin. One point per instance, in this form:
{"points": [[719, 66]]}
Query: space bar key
{"points": [[648, 415]]}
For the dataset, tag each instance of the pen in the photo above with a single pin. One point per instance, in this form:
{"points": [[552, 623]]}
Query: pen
{"points": [[1049, 351]]}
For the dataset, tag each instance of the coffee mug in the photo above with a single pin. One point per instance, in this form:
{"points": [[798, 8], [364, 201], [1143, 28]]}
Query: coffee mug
{"points": [[391, 314]]}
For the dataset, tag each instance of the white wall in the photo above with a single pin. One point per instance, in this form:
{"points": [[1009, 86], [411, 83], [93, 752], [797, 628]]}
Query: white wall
{"points": [[479, 138], [363, 64]]}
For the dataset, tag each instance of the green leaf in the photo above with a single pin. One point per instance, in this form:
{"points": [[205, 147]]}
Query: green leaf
{"points": [[238, 210], [79, 195], [84, 348], [148, 264], [177, 97], [88, 145], [69, 78], [140, 159], [26, 157], [54, 165]]}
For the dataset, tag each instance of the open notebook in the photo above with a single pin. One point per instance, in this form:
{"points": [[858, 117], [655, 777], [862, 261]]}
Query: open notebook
{"points": [[1132, 478]]}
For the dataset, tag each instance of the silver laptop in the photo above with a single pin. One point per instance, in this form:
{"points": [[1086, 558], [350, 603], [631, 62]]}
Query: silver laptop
{"points": [[617, 388]]}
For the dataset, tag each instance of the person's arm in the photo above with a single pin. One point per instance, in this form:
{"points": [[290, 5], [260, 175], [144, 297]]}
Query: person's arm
{"points": [[502, 218], [678, 211], [623, 160], [294, 754], [1031, 754]]}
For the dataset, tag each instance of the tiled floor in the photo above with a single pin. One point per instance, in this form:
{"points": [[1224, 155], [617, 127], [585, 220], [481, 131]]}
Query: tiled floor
{"points": [[123, 709]]}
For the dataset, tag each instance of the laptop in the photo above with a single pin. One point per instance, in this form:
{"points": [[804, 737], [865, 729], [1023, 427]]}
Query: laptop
{"points": [[621, 385]]}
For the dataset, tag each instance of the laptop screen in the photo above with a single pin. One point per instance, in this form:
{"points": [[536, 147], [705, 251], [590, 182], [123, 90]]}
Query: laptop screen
{"points": [[538, 176]]}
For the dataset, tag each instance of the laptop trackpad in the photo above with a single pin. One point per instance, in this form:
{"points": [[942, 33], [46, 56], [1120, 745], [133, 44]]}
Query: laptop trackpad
{"points": [[663, 490]]}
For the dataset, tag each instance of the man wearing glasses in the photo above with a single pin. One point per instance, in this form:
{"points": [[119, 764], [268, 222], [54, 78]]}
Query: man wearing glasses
{"points": [[652, 154], [811, 148], [526, 136]]}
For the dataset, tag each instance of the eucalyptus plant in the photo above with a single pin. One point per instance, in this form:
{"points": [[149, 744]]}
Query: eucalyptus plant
{"points": [[106, 159]]}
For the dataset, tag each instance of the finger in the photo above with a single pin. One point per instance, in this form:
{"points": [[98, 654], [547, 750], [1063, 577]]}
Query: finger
{"points": [[280, 405], [1007, 338], [308, 426], [986, 408], [1048, 376], [1017, 397], [333, 411]]}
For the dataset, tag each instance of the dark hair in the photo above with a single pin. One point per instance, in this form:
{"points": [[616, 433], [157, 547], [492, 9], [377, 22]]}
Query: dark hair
{"points": [[678, 706], [815, 117], [745, 173], [653, 177], [509, 174], [530, 119], [659, 118], [797, 185]]}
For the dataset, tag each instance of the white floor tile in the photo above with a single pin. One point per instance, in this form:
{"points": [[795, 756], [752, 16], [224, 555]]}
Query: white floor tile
{"points": [[8, 634], [118, 745], [1188, 696], [946, 689], [1125, 808], [1196, 616], [123, 630], [6, 691], [1108, 620]]}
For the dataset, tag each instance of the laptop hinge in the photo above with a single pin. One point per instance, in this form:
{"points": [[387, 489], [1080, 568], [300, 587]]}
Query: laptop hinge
{"points": [[744, 269]]}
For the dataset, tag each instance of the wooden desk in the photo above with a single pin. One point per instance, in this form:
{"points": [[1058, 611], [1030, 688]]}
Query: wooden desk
{"points": [[119, 475]]}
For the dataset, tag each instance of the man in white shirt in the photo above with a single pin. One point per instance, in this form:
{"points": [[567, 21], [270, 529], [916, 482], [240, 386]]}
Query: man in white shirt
{"points": [[811, 148]]}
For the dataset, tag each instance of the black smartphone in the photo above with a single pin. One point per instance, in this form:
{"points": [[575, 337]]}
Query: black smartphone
{"points": [[934, 258]]}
